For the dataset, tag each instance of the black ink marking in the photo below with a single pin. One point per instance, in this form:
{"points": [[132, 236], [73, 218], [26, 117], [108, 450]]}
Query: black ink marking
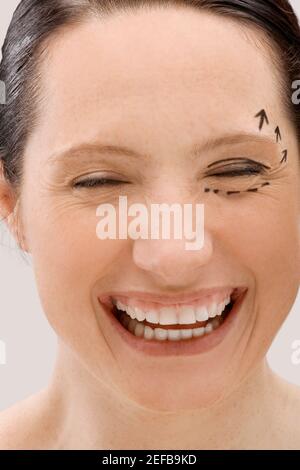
{"points": [[284, 158], [252, 190], [263, 117], [278, 134]]}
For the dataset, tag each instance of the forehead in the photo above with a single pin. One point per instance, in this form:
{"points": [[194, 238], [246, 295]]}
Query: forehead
{"points": [[155, 75]]}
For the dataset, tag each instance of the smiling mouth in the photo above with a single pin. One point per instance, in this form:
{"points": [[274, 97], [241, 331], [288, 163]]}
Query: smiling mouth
{"points": [[174, 323]]}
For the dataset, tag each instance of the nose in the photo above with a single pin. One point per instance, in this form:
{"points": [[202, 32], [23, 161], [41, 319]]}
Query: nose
{"points": [[169, 262]]}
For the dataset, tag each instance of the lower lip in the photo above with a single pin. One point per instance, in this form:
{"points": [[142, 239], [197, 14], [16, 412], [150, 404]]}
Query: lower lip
{"points": [[176, 348]]}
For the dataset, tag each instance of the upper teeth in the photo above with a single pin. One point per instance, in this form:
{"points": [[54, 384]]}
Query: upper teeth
{"points": [[181, 314]]}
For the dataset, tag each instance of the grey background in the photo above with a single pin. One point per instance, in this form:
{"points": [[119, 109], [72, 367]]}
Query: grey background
{"points": [[29, 340]]}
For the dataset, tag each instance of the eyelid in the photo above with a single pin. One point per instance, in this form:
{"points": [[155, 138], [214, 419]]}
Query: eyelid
{"points": [[94, 182], [97, 179], [98, 174], [237, 172], [240, 160], [241, 167]]}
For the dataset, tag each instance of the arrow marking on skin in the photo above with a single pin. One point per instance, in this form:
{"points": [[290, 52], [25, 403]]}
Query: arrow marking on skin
{"points": [[278, 135], [263, 118], [284, 158]]}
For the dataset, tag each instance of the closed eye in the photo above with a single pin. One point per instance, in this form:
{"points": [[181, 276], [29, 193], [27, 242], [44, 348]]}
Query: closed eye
{"points": [[237, 172], [229, 170], [98, 182]]}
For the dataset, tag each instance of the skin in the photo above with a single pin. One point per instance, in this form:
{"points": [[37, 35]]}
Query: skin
{"points": [[197, 78]]}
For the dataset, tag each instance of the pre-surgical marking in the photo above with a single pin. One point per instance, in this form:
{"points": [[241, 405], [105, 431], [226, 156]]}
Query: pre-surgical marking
{"points": [[229, 193], [278, 134], [263, 118], [284, 158]]}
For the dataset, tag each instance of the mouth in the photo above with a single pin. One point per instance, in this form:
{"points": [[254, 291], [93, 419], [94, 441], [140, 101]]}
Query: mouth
{"points": [[182, 323]]}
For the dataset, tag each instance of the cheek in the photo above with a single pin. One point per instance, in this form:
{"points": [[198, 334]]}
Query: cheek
{"points": [[70, 262], [264, 237]]}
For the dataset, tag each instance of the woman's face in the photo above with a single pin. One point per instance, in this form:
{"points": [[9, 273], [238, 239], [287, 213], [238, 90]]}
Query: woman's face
{"points": [[162, 83]]}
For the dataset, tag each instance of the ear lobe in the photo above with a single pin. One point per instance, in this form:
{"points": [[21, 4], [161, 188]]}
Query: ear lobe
{"points": [[299, 249], [15, 227], [9, 210], [6, 197]]}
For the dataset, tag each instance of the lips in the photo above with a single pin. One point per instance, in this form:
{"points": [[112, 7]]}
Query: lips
{"points": [[159, 344], [184, 319]]}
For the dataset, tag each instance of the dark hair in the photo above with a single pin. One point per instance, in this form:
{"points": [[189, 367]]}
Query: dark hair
{"points": [[36, 21]]}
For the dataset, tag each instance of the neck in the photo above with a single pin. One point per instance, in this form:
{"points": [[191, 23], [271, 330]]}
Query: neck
{"points": [[91, 415]]}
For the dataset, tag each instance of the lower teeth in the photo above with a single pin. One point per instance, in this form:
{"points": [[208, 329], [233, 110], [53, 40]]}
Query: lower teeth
{"points": [[138, 329]]}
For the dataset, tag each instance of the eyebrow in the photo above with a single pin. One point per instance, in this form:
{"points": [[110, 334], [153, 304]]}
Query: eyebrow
{"points": [[97, 148], [88, 149], [232, 139]]}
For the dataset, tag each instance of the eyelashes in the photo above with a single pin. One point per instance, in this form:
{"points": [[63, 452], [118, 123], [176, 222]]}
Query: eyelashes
{"points": [[229, 168], [244, 167], [234, 172], [91, 183], [243, 177]]}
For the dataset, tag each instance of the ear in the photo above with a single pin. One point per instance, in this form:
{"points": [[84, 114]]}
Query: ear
{"points": [[9, 210], [299, 247]]}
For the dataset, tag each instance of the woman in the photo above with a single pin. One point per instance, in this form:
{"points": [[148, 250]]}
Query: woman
{"points": [[168, 102]]}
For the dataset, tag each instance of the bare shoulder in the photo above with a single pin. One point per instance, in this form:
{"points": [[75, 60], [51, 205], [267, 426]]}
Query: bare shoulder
{"points": [[27, 425]]}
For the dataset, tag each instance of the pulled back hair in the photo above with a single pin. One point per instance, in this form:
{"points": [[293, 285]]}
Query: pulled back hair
{"points": [[35, 22]]}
